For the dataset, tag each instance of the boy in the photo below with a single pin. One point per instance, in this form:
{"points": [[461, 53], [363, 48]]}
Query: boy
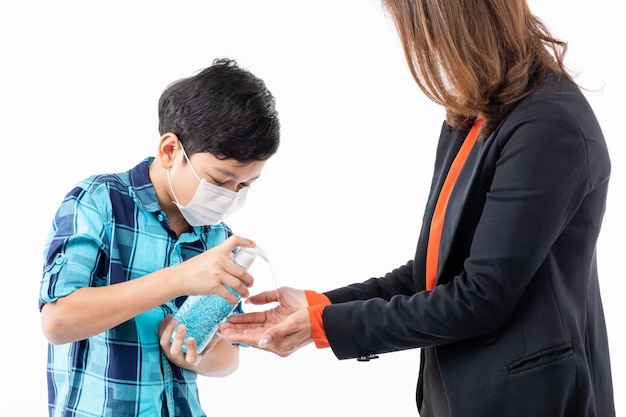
{"points": [[126, 249]]}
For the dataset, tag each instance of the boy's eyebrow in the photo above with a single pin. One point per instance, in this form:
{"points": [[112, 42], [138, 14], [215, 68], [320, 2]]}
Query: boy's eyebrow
{"points": [[232, 175]]}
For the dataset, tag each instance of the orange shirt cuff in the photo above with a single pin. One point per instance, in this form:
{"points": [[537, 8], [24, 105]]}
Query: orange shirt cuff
{"points": [[315, 298], [317, 326]]}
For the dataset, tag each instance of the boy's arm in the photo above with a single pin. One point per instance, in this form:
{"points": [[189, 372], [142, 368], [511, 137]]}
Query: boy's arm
{"points": [[88, 311], [92, 310], [220, 361]]}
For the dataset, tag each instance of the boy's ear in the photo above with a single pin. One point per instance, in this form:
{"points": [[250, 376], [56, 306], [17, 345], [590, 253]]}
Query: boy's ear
{"points": [[169, 146]]}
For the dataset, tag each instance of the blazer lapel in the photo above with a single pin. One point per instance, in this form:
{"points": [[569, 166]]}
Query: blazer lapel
{"points": [[461, 193]]}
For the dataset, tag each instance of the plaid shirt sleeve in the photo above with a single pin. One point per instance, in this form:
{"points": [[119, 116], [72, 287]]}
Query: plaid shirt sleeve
{"points": [[74, 247]]}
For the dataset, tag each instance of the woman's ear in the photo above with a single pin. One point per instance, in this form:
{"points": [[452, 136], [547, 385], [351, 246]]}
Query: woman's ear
{"points": [[169, 145]]}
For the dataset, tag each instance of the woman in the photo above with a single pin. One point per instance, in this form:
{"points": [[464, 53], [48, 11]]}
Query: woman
{"points": [[502, 295]]}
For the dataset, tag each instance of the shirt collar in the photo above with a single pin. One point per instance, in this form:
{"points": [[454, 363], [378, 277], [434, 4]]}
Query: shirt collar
{"points": [[142, 190], [141, 186]]}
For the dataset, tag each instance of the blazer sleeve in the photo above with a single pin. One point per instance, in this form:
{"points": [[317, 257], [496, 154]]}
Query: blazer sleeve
{"points": [[539, 168], [398, 281]]}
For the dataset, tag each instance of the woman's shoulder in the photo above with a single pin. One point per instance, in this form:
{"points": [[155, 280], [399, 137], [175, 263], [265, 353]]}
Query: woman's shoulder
{"points": [[557, 96]]}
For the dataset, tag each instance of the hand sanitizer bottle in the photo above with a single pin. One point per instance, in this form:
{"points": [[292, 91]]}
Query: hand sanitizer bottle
{"points": [[201, 314]]}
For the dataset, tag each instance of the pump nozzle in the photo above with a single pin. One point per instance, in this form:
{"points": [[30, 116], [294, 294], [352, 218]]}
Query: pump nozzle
{"points": [[245, 256]]}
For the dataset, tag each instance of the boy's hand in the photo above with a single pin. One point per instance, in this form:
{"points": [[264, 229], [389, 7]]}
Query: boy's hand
{"points": [[211, 271], [174, 351]]}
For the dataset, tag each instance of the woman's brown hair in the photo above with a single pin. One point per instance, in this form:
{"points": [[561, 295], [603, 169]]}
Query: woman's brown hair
{"points": [[475, 57]]}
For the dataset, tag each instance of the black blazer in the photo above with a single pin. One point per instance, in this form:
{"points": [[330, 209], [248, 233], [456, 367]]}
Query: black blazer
{"points": [[515, 320]]}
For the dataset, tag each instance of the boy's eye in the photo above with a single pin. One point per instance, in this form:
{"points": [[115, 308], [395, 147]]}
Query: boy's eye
{"points": [[216, 181]]}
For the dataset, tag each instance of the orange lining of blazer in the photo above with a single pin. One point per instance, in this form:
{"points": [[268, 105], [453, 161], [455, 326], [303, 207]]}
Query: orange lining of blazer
{"points": [[436, 225]]}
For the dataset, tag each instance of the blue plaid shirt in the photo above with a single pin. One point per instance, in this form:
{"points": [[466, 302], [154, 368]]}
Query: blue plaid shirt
{"points": [[110, 229]]}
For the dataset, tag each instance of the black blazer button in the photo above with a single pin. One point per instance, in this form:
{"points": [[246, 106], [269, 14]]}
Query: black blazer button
{"points": [[366, 358]]}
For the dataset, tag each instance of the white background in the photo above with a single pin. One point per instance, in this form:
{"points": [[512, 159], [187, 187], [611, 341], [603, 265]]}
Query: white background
{"points": [[341, 201]]}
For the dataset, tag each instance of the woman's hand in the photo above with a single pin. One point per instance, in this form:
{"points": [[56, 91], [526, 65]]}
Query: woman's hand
{"points": [[281, 330], [289, 300]]}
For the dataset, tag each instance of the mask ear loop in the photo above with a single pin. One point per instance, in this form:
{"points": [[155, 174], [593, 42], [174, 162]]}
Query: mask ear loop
{"points": [[169, 181], [188, 161]]}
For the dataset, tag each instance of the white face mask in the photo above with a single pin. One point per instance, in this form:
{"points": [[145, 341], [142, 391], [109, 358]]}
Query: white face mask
{"points": [[211, 204]]}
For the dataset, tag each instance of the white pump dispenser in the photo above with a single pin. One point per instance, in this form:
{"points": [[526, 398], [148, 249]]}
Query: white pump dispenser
{"points": [[245, 256]]}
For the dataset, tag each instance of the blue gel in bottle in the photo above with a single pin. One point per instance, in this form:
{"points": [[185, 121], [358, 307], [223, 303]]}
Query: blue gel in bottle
{"points": [[201, 314]]}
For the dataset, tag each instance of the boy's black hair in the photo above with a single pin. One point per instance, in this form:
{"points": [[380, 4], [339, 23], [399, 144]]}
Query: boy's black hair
{"points": [[224, 110]]}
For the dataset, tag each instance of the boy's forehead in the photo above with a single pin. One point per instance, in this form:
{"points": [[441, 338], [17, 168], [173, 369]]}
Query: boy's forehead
{"points": [[210, 164]]}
